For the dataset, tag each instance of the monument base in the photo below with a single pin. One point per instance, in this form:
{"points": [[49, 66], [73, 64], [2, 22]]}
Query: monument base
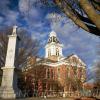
{"points": [[7, 93], [9, 89]]}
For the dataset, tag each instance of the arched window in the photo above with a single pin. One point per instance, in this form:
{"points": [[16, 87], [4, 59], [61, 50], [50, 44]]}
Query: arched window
{"points": [[49, 53], [57, 52], [52, 39]]}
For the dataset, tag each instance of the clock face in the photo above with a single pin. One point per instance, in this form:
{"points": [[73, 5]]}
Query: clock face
{"points": [[55, 39], [50, 40]]}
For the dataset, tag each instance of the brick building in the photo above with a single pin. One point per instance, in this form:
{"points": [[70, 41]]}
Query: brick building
{"points": [[55, 73]]}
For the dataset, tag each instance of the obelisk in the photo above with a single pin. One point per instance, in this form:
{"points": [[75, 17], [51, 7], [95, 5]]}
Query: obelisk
{"points": [[8, 89]]}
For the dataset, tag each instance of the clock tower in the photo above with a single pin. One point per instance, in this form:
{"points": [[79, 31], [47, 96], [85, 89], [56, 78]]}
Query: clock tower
{"points": [[53, 48]]}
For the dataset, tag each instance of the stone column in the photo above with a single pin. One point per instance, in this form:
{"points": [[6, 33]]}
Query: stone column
{"points": [[8, 87]]}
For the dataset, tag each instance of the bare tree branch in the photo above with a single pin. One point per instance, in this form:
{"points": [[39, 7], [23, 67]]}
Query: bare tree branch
{"points": [[91, 13], [76, 9]]}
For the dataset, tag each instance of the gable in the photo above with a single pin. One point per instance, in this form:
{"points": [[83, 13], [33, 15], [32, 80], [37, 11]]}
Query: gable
{"points": [[75, 60]]}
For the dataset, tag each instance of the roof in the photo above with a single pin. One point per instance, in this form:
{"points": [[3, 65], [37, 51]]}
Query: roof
{"points": [[62, 61], [78, 62], [74, 55], [45, 60]]}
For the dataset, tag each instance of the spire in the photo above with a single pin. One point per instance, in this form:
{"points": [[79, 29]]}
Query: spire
{"points": [[53, 34], [14, 29]]}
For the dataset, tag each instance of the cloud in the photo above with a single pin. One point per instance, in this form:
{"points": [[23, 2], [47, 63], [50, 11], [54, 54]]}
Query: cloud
{"points": [[32, 16], [1, 20], [11, 18], [25, 5], [27, 9], [8, 16], [4, 6], [61, 24], [26, 13]]}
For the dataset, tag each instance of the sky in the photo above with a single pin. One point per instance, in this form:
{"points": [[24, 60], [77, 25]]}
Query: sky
{"points": [[39, 20]]}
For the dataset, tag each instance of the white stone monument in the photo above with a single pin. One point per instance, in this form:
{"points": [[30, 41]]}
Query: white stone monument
{"points": [[8, 87]]}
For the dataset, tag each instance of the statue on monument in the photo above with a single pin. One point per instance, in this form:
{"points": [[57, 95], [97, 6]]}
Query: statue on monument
{"points": [[14, 29]]}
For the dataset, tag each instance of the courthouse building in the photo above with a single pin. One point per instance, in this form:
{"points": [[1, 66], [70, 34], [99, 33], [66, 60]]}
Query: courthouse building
{"points": [[55, 73]]}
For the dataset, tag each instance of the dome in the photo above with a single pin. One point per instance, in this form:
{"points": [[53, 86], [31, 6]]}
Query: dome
{"points": [[53, 34]]}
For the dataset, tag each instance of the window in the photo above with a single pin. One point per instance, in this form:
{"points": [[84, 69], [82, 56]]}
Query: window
{"points": [[58, 72], [52, 39], [49, 53], [52, 73], [48, 73], [57, 52]]}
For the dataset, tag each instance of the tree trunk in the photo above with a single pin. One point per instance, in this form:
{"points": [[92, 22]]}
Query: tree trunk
{"points": [[91, 12]]}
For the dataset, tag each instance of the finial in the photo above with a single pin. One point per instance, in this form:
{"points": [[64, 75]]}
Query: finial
{"points": [[53, 34], [14, 29]]}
